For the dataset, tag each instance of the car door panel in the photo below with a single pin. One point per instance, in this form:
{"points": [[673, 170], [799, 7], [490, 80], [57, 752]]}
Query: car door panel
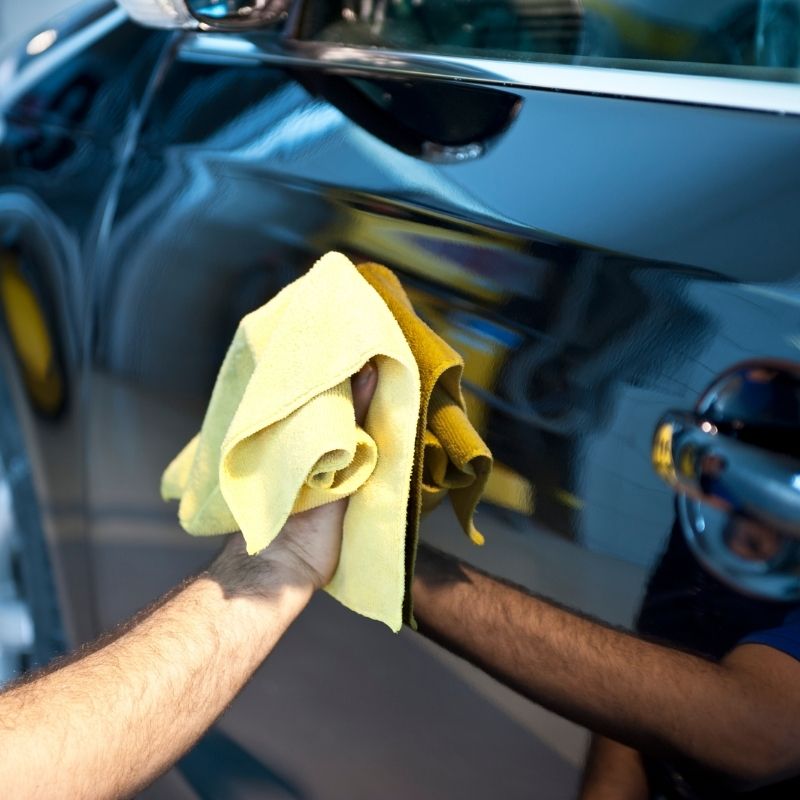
{"points": [[578, 262], [597, 260]]}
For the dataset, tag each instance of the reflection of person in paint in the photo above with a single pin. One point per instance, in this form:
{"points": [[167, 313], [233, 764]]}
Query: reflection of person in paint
{"points": [[687, 607], [703, 700], [706, 705], [753, 541]]}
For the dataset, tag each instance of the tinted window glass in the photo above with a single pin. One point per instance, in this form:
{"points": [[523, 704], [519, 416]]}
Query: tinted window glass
{"points": [[743, 38]]}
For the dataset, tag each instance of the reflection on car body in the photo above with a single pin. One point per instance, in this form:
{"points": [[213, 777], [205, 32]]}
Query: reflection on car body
{"points": [[599, 260]]}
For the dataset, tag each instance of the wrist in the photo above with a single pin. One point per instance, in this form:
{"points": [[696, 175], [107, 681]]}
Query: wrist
{"points": [[266, 574]]}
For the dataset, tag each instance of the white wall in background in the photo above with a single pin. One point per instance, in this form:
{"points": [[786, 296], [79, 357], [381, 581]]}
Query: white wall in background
{"points": [[18, 17]]}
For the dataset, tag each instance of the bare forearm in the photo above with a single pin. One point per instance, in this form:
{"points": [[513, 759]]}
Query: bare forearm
{"points": [[107, 724], [651, 697]]}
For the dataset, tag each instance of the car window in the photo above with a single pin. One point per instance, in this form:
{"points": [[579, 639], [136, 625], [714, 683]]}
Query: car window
{"points": [[741, 38]]}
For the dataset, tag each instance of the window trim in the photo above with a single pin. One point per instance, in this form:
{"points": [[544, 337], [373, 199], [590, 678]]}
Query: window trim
{"points": [[686, 89]]}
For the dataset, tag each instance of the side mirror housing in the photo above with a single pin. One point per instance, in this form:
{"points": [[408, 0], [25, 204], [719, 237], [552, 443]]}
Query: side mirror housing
{"points": [[227, 15]]}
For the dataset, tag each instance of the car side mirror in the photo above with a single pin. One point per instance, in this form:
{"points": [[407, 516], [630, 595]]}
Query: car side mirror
{"points": [[227, 15]]}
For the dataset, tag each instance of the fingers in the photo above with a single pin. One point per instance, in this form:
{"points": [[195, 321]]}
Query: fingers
{"points": [[364, 383]]}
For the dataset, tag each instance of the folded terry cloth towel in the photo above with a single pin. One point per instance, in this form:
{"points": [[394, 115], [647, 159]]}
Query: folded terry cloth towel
{"points": [[449, 456], [280, 436]]}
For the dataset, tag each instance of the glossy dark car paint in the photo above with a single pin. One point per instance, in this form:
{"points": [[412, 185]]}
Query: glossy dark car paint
{"points": [[597, 261]]}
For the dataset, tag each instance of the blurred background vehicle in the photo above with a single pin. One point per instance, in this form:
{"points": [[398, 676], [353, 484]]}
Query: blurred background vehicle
{"points": [[593, 202]]}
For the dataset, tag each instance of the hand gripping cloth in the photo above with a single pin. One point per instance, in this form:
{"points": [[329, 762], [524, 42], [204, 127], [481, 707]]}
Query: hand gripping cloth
{"points": [[450, 456], [280, 435]]}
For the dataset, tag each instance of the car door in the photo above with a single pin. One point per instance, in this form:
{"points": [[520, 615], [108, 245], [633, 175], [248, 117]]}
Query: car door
{"points": [[593, 202]]}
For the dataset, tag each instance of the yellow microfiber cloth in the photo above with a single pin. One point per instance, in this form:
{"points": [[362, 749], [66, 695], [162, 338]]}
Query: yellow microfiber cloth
{"points": [[450, 456], [280, 435]]}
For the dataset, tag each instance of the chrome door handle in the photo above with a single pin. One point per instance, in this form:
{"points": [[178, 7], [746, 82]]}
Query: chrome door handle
{"points": [[735, 463], [695, 457]]}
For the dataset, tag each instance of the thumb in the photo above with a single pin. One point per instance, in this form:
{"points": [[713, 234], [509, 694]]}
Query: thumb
{"points": [[364, 383]]}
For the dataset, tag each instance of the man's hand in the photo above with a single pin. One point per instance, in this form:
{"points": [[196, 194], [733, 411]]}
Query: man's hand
{"points": [[306, 551]]}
